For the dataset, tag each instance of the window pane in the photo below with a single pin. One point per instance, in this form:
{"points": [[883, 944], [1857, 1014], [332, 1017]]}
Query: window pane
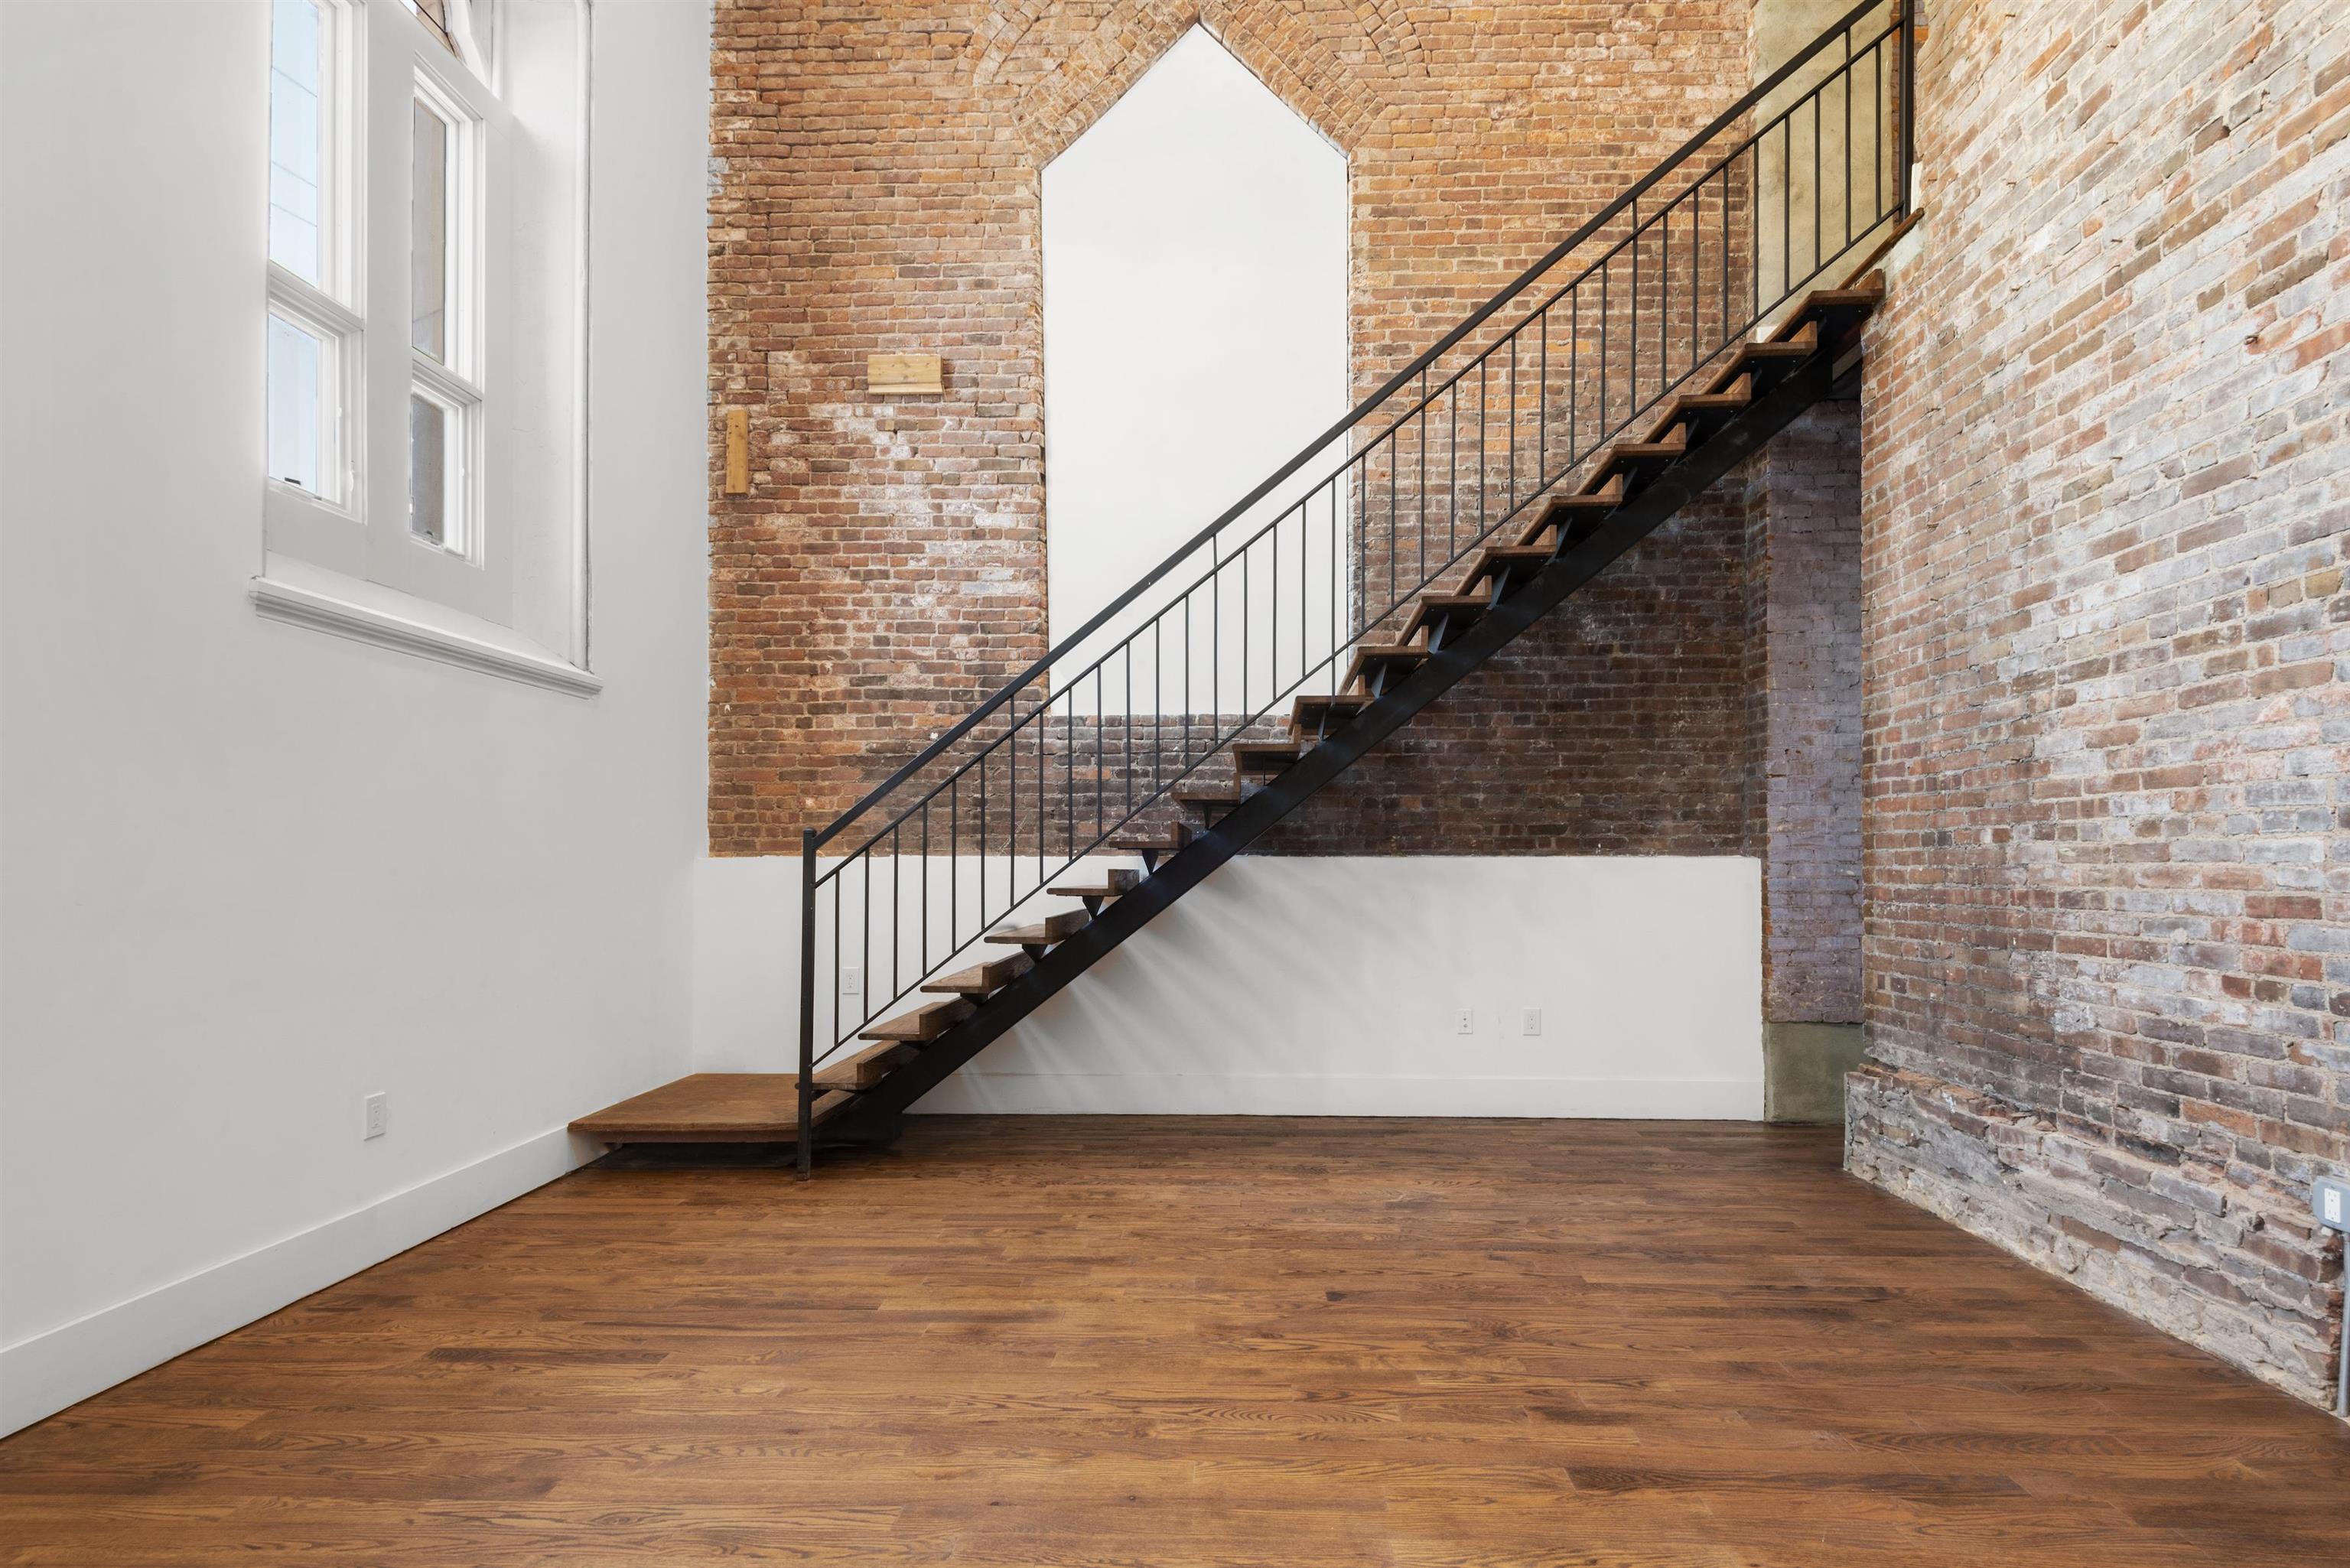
{"points": [[428, 469], [295, 73], [427, 242], [294, 360]]}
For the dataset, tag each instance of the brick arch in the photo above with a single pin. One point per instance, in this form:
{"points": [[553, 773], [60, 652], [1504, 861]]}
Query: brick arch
{"points": [[1063, 72]]}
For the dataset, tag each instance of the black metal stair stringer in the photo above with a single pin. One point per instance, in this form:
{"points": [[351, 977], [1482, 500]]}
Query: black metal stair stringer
{"points": [[878, 1115]]}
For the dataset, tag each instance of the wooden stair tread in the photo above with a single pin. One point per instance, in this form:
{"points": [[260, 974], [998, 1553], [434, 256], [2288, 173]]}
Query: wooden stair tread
{"points": [[865, 1068], [1566, 511], [1341, 703], [982, 979], [1863, 295], [1043, 933], [1175, 837], [1705, 407], [1434, 607], [1404, 655], [1507, 558], [923, 1025], [1208, 793], [1120, 880], [1775, 353], [1266, 756], [710, 1108]]}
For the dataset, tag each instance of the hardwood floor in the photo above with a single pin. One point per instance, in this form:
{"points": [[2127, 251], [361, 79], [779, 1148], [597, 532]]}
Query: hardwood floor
{"points": [[1198, 1342]]}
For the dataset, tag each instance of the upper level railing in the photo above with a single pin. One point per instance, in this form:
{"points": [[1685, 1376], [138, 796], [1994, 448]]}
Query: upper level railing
{"points": [[1270, 600]]}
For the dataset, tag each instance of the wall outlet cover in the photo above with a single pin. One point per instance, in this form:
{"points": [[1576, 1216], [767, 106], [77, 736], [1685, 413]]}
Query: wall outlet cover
{"points": [[379, 1116], [1530, 1022], [1465, 1021], [2329, 1200]]}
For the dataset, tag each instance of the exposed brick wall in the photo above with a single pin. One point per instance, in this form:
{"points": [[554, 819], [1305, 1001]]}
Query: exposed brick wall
{"points": [[1619, 724], [1804, 490], [875, 188], [2107, 471]]}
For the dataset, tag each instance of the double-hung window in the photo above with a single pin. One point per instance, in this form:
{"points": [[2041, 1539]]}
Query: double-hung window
{"points": [[425, 433], [314, 323]]}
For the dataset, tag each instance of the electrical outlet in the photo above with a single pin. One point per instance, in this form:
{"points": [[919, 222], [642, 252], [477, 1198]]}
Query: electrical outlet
{"points": [[852, 980], [1530, 1022], [2330, 1201], [1465, 1021], [378, 1117]]}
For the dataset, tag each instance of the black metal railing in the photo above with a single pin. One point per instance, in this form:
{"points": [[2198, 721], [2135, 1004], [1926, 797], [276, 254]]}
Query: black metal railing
{"points": [[1269, 601]]}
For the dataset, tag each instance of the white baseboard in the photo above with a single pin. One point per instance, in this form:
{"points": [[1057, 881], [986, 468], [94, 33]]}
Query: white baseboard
{"points": [[66, 1365], [1322, 1094]]}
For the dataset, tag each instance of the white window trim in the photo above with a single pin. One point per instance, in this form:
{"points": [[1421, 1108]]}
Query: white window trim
{"points": [[299, 592]]}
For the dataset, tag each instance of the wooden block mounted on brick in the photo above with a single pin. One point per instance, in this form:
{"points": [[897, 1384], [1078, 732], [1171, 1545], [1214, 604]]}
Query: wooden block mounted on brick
{"points": [[887, 374]]}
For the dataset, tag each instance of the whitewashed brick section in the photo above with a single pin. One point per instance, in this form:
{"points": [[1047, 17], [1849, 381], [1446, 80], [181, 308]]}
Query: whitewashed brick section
{"points": [[2107, 492]]}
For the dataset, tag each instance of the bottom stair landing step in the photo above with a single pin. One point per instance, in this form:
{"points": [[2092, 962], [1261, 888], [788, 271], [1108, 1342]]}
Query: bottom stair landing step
{"points": [[710, 1108]]}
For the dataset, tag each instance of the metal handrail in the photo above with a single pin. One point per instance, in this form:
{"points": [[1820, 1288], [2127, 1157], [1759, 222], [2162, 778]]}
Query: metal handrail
{"points": [[1635, 389], [1361, 410]]}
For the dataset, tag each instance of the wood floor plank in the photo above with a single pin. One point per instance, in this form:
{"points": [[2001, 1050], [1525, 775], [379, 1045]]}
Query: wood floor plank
{"points": [[1198, 1341]]}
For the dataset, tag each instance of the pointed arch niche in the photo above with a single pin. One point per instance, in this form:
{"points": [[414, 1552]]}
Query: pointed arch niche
{"points": [[1195, 337]]}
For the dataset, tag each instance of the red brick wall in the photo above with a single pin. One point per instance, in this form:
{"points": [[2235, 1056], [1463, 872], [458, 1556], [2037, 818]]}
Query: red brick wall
{"points": [[2108, 432], [875, 188], [1621, 724]]}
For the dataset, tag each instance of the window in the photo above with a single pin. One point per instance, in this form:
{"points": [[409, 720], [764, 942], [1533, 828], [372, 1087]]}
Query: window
{"points": [[423, 432], [445, 403], [311, 325]]}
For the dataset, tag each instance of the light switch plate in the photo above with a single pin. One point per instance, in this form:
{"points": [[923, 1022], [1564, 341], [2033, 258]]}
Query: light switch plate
{"points": [[2330, 1201]]}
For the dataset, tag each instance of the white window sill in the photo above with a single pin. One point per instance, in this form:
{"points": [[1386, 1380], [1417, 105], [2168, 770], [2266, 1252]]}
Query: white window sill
{"points": [[303, 595]]}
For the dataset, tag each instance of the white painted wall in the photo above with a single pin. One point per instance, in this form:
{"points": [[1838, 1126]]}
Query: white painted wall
{"points": [[250, 872], [1331, 986], [1195, 337]]}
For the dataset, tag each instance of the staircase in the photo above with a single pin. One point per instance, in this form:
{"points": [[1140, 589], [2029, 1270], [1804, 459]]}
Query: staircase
{"points": [[1554, 429]]}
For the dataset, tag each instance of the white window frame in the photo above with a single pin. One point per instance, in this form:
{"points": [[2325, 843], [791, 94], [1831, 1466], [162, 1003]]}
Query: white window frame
{"points": [[458, 383], [326, 309], [506, 589]]}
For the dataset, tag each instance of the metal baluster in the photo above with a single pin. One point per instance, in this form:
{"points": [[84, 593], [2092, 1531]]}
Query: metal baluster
{"points": [[1423, 473], [1607, 271], [1512, 501], [1573, 370], [1786, 210], [1906, 149], [1012, 804], [1452, 473], [1847, 75], [897, 913], [805, 1132]]}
